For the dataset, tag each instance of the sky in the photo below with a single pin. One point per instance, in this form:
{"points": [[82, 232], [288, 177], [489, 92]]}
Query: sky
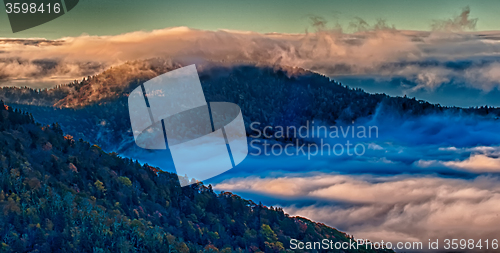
{"points": [[112, 17]]}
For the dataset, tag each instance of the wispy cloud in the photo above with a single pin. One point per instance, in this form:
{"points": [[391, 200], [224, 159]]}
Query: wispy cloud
{"points": [[460, 23]]}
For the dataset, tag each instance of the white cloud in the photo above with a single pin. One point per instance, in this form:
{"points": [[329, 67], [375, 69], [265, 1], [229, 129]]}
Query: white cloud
{"points": [[482, 159], [477, 163], [389, 208], [373, 50]]}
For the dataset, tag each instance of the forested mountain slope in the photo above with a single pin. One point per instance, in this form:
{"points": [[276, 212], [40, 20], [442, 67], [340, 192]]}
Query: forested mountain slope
{"points": [[58, 194]]}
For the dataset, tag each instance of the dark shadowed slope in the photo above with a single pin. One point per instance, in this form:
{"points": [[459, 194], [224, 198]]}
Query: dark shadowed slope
{"points": [[58, 194]]}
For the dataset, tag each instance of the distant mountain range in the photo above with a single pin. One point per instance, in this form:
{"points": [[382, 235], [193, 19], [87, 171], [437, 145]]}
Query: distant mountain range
{"points": [[95, 109]]}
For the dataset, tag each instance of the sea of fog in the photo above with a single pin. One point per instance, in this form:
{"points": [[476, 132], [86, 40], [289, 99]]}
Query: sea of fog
{"points": [[413, 179]]}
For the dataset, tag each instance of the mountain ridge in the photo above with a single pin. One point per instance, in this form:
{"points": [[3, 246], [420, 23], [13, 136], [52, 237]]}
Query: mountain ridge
{"points": [[118, 81], [96, 109]]}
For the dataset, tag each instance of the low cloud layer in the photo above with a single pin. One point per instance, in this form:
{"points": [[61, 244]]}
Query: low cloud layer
{"points": [[431, 177], [480, 160], [389, 208]]}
